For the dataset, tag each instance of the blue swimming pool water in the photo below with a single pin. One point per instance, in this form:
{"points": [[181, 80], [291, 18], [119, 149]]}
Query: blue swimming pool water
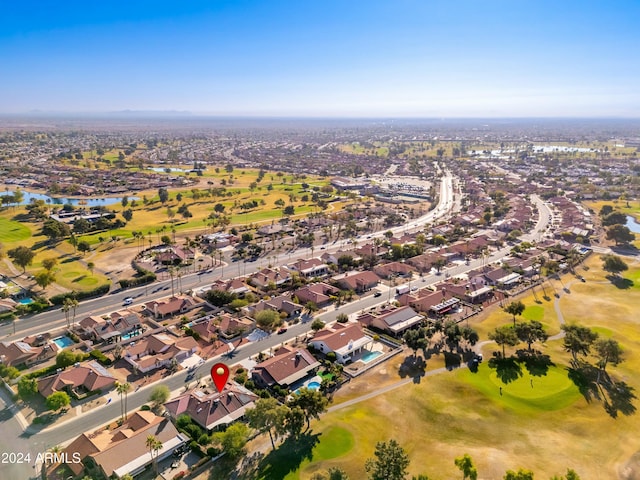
{"points": [[129, 335], [25, 301], [63, 342], [313, 385], [367, 357]]}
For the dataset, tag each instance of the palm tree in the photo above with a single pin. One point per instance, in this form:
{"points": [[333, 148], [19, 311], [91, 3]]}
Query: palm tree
{"points": [[123, 389], [171, 272], [70, 304], [154, 445], [90, 267]]}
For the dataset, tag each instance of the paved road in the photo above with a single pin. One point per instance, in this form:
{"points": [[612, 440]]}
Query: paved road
{"points": [[39, 441], [54, 319], [12, 441]]}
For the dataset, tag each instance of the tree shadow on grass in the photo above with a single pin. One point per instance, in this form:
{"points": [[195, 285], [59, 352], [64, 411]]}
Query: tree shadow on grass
{"points": [[452, 360], [620, 399], [535, 362], [507, 369], [71, 259], [620, 282], [584, 377], [413, 366], [288, 456]]}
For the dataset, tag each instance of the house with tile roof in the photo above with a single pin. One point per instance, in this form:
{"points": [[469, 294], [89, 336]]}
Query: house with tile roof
{"points": [[318, 293], [394, 321], [266, 276], [345, 340], [158, 350], [112, 328], [286, 367], [213, 409], [357, 281], [120, 451], [77, 380], [282, 303], [313, 267], [172, 306], [22, 353], [224, 325]]}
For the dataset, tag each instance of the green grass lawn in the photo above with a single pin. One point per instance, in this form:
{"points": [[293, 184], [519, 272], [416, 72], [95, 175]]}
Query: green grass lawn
{"points": [[534, 393], [12, 231], [304, 453], [540, 421], [534, 312]]}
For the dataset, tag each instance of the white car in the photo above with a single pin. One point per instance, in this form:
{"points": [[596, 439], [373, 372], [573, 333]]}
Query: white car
{"points": [[127, 301]]}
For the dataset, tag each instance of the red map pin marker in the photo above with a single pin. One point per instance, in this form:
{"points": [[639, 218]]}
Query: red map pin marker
{"points": [[220, 375]]}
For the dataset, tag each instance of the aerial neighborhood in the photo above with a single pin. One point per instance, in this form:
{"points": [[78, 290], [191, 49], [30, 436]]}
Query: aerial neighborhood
{"points": [[313, 288]]}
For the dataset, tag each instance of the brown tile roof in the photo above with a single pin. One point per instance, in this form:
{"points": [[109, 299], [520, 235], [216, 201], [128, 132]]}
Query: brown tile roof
{"points": [[114, 449], [340, 336], [287, 366], [90, 375], [212, 409]]}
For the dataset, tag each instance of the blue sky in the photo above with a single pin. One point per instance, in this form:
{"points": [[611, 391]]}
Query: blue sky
{"points": [[402, 58]]}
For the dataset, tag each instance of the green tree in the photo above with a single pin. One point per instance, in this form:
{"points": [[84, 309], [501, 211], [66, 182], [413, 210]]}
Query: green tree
{"points": [[55, 230], [159, 395], [578, 340], [153, 445], [84, 246], [620, 234], [69, 307], [127, 214], [312, 403], [503, 336], [614, 264], [267, 416], [123, 389], [571, 475], [233, 439], [22, 256], [317, 324], [415, 340], [44, 278], [58, 400], [465, 464], [49, 263], [521, 474], [66, 358], [530, 332], [268, 320], [163, 194], [27, 387], [90, 267], [294, 422], [73, 240], [614, 218], [608, 351], [390, 462], [515, 308]]}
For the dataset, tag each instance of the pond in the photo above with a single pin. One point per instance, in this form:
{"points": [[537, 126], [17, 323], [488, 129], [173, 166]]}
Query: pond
{"points": [[632, 224], [91, 202]]}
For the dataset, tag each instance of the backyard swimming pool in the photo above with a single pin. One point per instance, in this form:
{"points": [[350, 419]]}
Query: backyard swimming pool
{"points": [[369, 356], [63, 342]]}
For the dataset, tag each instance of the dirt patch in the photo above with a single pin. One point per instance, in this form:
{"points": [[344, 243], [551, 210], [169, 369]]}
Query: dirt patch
{"points": [[631, 469], [116, 261]]}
